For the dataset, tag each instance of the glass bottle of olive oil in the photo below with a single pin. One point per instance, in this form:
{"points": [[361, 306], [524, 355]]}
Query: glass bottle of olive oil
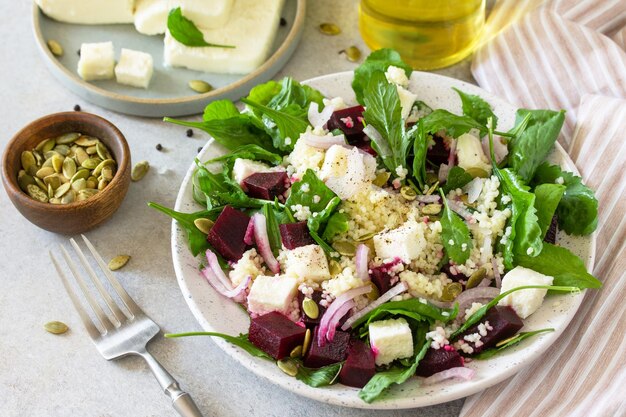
{"points": [[428, 34]]}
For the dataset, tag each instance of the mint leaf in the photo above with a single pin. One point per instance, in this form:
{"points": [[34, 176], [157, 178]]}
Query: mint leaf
{"points": [[455, 234], [319, 377], [578, 209], [476, 108], [241, 341], [304, 191], [377, 61], [185, 31], [512, 341], [533, 145], [547, 198]]}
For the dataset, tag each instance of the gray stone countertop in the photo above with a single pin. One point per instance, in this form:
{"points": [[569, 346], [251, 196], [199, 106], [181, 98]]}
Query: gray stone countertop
{"points": [[46, 375]]}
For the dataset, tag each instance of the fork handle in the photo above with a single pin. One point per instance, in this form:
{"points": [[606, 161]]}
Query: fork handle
{"points": [[181, 400]]}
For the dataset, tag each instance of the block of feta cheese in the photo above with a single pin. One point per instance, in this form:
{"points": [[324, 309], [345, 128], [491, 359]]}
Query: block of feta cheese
{"points": [[347, 171], [469, 152], [524, 302], [151, 15], [390, 340], [406, 242], [407, 99], [273, 293], [243, 168], [96, 61], [307, 263], [134, 68], [88, 12], [251, 30]]}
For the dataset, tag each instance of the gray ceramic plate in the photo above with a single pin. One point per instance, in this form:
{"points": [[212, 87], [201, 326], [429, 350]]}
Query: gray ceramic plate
{"points": [[216, 313], [168, 94]]}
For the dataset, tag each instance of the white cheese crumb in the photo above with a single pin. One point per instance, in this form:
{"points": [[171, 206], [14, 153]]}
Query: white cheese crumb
{"points": [[559, 180]]}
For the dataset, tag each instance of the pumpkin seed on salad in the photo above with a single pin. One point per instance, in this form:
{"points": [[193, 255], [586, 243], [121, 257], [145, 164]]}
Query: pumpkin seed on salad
{"points": [[386, 239]]}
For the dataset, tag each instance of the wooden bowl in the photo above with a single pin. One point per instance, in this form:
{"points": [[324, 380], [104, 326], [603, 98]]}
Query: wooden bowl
{"points": [[78, 216]]}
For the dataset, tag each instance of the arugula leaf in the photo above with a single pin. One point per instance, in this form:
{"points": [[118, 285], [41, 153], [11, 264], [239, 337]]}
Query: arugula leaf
{"points": [[488, 353], [420, 148], [454, 229], [263, 93], [547, 198], [220, 109], [336, 224], [185, 31], [476, 108], [241, 341], [578, 209], [206, 183], [377, 61], [313, 186], [383, 112], [196, 239], [253, 152], [560, 263], [457, 178], [319, 377], [413, 308], [383, 380], [453, 124], [292, 92], [272, 228], [533, 145]]}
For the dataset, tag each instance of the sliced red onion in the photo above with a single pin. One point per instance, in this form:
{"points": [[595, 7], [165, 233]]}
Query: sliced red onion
{"points": [[327, 318], [248, 238], [217, 269], [496, 273], [375, 135], [452, 154], [361, 259], [237, 293], [473, 189], [485, 282], [460, 209], [428, 198], [323, 142], [458, 372], [442, 176], [263, 242], [392, 292], [332, 324], [317, 118], [474, 295]]}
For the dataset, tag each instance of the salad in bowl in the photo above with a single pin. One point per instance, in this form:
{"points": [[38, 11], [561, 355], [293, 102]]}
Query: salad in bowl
{"points": [[376, 242]]}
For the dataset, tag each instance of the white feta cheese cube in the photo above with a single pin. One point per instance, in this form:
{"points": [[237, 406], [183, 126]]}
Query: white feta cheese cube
{"points": [[347, 171], [396, 75], [524, 302], [307, 263], [390, 340], [469, 152], [243, 168], [406, 242], [97, 61], [271, 294], [151, 15], [407, 99], [134, 68], [88, 12], [251, 30]]}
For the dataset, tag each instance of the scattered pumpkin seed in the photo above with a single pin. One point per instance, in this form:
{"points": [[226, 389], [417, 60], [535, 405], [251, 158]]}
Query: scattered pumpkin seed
{"points": [[46, 145], [203, 225], [90, 163], [67, 138], [69, 168], [80, 155], [91, 150], [52, 180], [140, 170], [102, 151], [85, 193], [288, 366], [56, 327], [374, 293], [81, 174], [352, 53], [408, 193], [68, 197], [451, 291], [50, 191], [200, 86], [102, 183], [107, 173], [62, 189], [55, 200], [98, 169], [55, 47], [476, 172], [381, 179], [62, 149], [307, 341], [23, 180], [330, 29], [40, 183], [118, 262], [310, 308], [334, 267], [345, 248], [28, 162], [92, 184], [296, 352], [44, 172], [86, 141], [434, 208], [57, 162], [37, 193], [476, 278], [79, 184], [432, 188]]}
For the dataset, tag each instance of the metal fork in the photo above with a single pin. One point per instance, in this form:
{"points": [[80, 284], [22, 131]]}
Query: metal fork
{"points": [[119, 333]]}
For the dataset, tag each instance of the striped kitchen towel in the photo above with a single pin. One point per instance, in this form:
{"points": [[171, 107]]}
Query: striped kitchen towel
{"points": [[572, 55]]}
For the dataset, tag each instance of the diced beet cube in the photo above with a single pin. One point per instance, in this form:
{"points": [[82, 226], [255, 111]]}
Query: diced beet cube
{"points": [[308, 321], [381, 279], [450, 272], [331, 352], [266, 185], [227, 234], [551, 232], [360, 365], [505, 323], [348, 120], [437, 360], [275, 334], [295, 235], [439, 152]]}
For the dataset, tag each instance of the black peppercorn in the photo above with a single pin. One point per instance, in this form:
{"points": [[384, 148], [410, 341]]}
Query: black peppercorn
{"points": [[159, 147], [189, 133], [76, 107], [283, 21]]}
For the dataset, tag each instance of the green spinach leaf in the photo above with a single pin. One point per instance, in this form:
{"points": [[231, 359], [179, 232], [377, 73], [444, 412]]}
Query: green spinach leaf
{"points": [[241, 341], [453, 124], [413, 308], [455, 234], [476, 108], [185, 31], [220, 109], [273, 230], [512, 341], [253, 152], [304, 191], [377, 61], [547, 198], [320, 377], [421, 141], [457, 178], [337, 224]]}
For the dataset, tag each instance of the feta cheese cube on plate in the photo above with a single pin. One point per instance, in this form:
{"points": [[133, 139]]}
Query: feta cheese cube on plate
{"points": [[97, 61], [406, 242], [271, 294], [134, 68], [390, 340], [88, 12], [524, 302], [243, 168], [470, 154], [151, 15], [307, 263], [407, 99], [347, 171]]}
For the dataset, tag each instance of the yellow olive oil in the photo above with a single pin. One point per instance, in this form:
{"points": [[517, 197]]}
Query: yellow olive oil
{"points": [[428, 34]]}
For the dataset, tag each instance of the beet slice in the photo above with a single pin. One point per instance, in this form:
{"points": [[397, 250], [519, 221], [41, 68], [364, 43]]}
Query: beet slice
{"points": [[381, 279], [227, 234], [331, 352], [454, 277], [505, 323], [437, 360], [348, 120], [266, 185], [275, 334], [360, 365], [551, 232], [294, 235], [439, 152], [308, 321]]}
